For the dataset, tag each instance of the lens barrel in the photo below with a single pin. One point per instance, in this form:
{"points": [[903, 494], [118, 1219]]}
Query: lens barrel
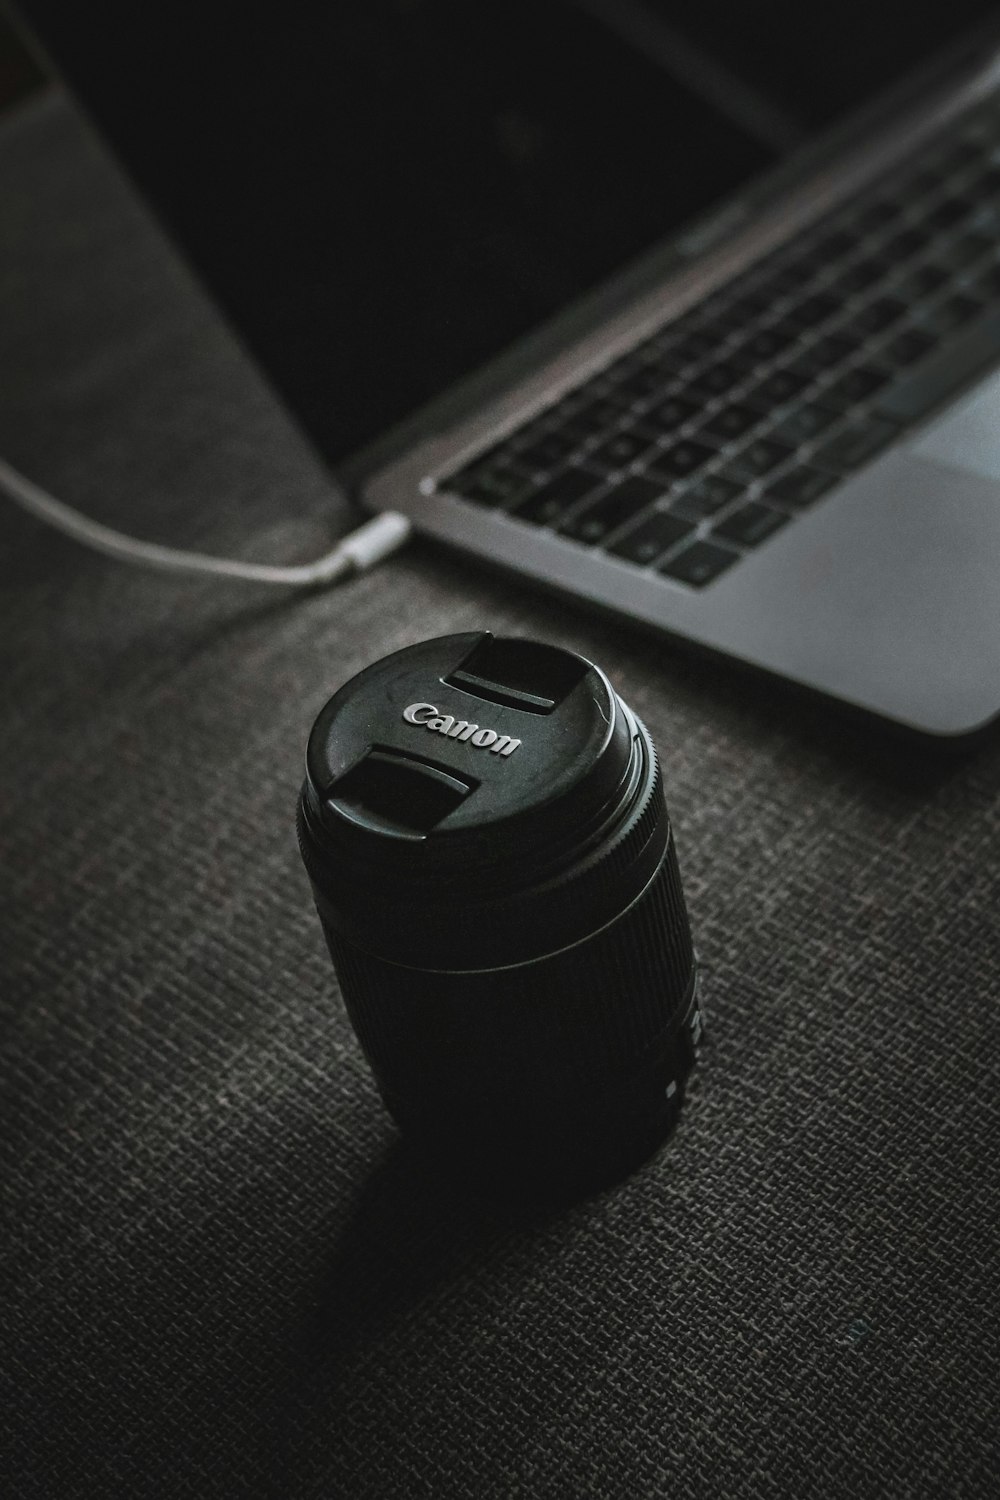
{"points": [[484, 826]]}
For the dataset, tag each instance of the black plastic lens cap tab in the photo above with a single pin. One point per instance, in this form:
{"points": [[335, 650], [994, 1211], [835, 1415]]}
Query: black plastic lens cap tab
{"points": [[469, 748]]}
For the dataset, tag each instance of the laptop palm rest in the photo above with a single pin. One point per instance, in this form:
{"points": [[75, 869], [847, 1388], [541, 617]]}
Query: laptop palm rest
{"points": [[967, 437], [889, 595]]}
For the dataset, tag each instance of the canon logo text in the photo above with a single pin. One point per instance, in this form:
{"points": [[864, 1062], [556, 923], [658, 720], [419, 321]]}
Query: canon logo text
{"points": [[426, 715]]}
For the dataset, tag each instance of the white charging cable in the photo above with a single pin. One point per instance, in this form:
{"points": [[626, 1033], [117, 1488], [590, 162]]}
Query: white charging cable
{"points": [[355, 553]]}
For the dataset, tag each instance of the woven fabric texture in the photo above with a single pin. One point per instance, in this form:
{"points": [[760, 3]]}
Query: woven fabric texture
{"points": [[221, 1272]]}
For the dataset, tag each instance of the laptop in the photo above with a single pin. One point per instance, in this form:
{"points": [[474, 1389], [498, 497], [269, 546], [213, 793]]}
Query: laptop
{"points": [[688, 311]]}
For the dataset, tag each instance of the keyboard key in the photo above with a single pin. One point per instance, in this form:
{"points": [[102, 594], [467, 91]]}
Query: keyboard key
{"points": [[682, 459], [825, 354], [643, 382], [855, 444], [778, 388], [670, 414], [550, 501], [987, 284], [718, 378], [800, 487], [922, 281], [556, 416], [719, 327], [966, 249], [620, 449], [749, 306], [923, 183], [947, 213], [875, 215], [793, 275], [594, 417], [546, 449], [751, 524], [963, 153], [690, 348], [699, 564], [488, 484], [833, 245], [904, 244], [766, 344], [985, 184], [860, 276], [856, 385], [936, 378], [910, 345], [804, 423], [772, 289], [707, 496], [614, 508], [814, 310], [877, 316], [758, 457], [730, 423], [950, 314], [651, 538]]}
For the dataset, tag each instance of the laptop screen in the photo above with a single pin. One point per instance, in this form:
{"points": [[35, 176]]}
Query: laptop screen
{"points": [[383, 197]]}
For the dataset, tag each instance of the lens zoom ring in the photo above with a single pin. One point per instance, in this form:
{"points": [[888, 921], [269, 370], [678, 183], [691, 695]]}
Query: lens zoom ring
{"points": [[549, 1031], [501, 927]]}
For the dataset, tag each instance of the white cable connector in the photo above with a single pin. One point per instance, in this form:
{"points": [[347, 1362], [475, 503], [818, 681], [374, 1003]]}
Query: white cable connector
{"points": [[355, 553]]}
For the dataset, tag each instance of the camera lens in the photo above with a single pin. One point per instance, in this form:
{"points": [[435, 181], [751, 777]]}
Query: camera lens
{"points": [[484, 827]]}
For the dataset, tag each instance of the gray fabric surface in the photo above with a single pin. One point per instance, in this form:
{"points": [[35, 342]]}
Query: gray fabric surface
{"points": [[222, 1275]]}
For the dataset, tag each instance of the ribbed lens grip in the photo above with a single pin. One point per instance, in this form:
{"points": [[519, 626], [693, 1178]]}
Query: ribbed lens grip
{"points": [[515, 924], [540, 1062]]}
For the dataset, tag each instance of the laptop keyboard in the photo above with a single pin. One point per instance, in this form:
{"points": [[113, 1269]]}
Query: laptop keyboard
{"points": [[725, 424]]}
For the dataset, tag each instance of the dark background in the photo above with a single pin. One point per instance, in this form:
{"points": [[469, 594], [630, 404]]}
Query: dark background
{"points": [[20, 72], [384, 196]]}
